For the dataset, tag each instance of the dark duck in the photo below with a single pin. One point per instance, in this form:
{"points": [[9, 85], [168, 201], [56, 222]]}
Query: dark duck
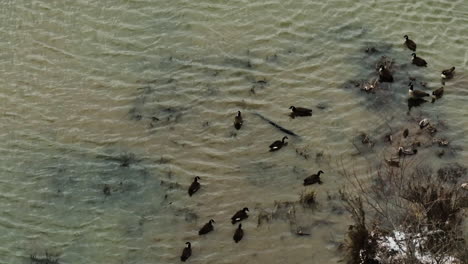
{"points": [[424, 123], [448, 74], [409, 43], [187, 252], [194, 187], [300, 111], [314, 178], [418, 61], [240, 215], [406, 152], [208, 227], [278, 144], [385, 75], [437, 94], [238, 120], [405, 133], [416, 93], [238, 234]]}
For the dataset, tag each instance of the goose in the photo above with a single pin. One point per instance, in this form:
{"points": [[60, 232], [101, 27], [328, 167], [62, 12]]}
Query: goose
{"points": [[437, 94], [187, 252], [238, 234], [278, 144], [299, 232], [406, 152], [238, 120], [385, 75], [392, 163], [300, 111], [423, 123], [240, 215], [415, 102], [405, 133], [194, 187], [314, 178], [208, 227], [409, 43], [106, 190], [448, 74], [416, 93], [418, 61], [464, 186]]}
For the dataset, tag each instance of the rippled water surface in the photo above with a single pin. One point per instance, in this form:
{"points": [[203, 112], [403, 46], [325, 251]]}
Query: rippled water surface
{"points": [[140, 96]]}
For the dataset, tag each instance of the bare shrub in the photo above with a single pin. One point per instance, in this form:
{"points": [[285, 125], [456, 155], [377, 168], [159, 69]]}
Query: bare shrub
{"points": [[418, 215]]}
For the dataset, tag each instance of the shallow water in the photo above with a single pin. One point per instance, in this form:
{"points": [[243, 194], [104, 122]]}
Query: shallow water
{"points": [[88, 86]]}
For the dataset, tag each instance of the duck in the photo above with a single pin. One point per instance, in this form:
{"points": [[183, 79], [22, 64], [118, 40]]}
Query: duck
{"points": [[406, 152], [423, 123], [238, 120], [187, 252], [194, 187], [106, 190], [278, 144], [240, 215], [437, 94], [238, 234], [415, 102], [208, 227], [405, 133], [464, 186], [448, 73], [300, 111], [314, 178], [416, 93], [409, 43], [385, 75], [418, 61], [392, 163]]}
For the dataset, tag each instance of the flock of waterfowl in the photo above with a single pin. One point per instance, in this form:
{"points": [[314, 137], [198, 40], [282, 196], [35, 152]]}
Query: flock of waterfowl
{"points": [[385, 75], [242, 214]]}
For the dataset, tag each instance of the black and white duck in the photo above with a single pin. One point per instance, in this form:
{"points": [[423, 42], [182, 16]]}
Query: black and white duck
{"points": [[300, 111], [187, 252], [409, 43], [416, 93], [437, 94], [448, 73], [385, 75], [423, 123], [240, 215], [278, 144], [406, 152], [393, 162]]}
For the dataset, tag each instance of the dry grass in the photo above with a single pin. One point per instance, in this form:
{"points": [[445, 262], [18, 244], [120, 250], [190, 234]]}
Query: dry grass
{"points": [[409, 199], [308, 199]]}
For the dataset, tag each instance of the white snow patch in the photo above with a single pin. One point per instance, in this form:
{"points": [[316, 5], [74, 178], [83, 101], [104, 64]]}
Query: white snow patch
{"points": [[397, 243]]}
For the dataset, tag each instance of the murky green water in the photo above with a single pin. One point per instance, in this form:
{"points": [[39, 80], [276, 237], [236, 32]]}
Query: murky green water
{"points": [[89, 85]]}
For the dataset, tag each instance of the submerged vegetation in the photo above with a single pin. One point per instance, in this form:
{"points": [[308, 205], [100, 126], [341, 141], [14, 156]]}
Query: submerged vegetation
{"points": [[47, 259]]}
